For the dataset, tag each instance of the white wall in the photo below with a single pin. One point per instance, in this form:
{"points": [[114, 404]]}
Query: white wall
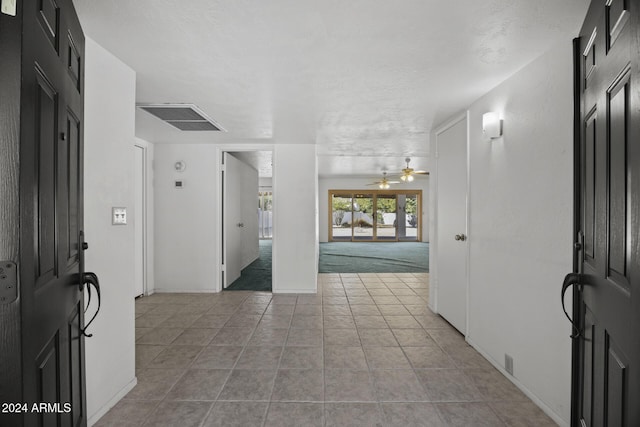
{"points": [[108, 173], [186, 242], [520, 228], [265, 182], [360, 183], [185, 237], [295, 218]]}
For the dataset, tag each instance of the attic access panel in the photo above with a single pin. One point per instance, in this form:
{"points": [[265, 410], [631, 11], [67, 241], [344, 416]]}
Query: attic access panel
{"points": [[186, 117]]}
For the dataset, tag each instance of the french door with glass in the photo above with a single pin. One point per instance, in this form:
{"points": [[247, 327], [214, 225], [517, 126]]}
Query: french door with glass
{"points": [[265, 214], [387, 215]]}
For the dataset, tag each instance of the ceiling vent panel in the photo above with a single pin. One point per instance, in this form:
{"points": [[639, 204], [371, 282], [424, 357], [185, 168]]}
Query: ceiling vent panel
{"points": [[186, 117], [193, 125]]}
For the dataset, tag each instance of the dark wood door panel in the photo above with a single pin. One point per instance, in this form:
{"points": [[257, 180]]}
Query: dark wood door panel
{"points": [[48, 378], [589, 190], [76, 366], [46, 115], [607, 354], [616, 383], [40, 90], [51, 211], [617, 15], [72, 163], [587, 374], [619, 216], [48, 16]]}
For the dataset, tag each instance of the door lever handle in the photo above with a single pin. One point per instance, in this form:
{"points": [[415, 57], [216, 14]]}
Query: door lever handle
{"points": [[90, 279], [570, 280], [460, 237]]}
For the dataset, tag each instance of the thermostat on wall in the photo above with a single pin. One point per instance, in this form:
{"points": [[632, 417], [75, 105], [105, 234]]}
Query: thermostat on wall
{"points": [[180, 166], [179, 184]]}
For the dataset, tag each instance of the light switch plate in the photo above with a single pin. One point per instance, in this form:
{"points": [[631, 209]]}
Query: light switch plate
{"points": [[119, 216], [9, 7]]}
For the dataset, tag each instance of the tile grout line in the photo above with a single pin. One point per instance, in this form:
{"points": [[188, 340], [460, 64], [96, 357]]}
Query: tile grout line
{"points": [[164, 399], [381, 416], [440, 343], [273, 386]]}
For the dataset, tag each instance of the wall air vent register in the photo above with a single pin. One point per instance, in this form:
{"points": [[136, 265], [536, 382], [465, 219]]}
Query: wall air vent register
{"points": [[187, 117]]}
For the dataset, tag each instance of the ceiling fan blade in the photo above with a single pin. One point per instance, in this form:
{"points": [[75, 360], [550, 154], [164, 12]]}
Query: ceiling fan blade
{"points": [[393, 182], [421, 172]]}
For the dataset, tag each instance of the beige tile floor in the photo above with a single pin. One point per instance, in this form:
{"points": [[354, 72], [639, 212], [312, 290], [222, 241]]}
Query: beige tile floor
{"points": [[364, 351]]}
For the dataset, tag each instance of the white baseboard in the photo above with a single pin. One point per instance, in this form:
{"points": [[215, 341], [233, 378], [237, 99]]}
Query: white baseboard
{"points": [[545, 408], [111, 403]]}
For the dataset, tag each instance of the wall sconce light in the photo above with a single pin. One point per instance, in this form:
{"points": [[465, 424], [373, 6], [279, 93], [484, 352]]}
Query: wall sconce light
{"points": [[491, 125]]}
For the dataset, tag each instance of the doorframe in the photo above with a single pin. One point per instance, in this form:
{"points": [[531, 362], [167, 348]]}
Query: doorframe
{"points": [[433, 214], [10, 122], [219, 212], [577, 205], [144, 146]]}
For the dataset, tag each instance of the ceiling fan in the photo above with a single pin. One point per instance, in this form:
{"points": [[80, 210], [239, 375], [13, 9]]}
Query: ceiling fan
{"points": [[384, 183], [407, 173]]}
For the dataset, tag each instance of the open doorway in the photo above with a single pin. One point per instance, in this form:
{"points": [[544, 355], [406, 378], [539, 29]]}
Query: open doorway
{"points": [[247, 222]]}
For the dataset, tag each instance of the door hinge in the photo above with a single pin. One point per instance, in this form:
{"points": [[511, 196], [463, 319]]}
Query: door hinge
{"points": [[8, 282]]}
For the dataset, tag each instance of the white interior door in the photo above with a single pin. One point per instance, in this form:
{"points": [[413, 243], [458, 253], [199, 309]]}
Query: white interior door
{"points": [[138, 220], [250, 236], [232, 219], [452, 224]]}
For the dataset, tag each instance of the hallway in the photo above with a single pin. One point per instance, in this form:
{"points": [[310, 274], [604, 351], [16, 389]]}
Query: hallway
{"points": [[365, 351]]}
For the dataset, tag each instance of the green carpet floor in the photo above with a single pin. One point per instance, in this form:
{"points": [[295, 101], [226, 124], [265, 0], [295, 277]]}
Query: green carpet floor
{"points": [[257, 275], [343, 257], [370, 257]]}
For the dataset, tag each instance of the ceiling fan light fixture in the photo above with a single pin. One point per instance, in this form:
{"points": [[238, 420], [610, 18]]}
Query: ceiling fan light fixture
{"points": [[384, 184], [410, 178], [403, 177]]}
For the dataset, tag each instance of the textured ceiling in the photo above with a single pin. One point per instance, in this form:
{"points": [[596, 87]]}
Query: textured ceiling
{"points": [[365, 80], [262, 161]]}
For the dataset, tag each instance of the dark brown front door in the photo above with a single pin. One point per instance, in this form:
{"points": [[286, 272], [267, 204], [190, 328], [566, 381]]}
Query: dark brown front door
{"points": [[47, 353], [607, 299]]}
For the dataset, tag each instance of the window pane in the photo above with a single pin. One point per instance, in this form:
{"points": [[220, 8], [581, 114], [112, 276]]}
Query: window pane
{"points": [[386, 221], [341, 217], [363, 217]]}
